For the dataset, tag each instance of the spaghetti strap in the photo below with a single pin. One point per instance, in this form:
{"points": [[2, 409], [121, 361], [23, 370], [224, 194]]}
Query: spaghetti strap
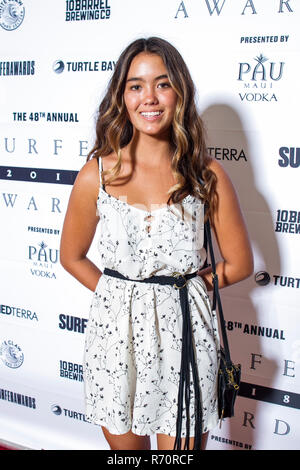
{"points": [[100, 166]]}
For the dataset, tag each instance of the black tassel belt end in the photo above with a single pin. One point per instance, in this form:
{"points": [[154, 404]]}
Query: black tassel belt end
{"points": [[188, 359]]}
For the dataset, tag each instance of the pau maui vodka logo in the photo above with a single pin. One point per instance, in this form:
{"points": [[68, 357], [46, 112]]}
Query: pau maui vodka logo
{"points": [[12, 13], [43, 260], [259, 78]]}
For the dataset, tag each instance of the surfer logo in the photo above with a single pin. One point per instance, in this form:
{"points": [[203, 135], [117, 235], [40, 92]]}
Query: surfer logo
{"points": [[12, 13], [11, 354]]}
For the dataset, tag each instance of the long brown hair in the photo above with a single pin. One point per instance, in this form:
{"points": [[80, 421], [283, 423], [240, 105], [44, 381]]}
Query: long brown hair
{"points": [[114, 130]]}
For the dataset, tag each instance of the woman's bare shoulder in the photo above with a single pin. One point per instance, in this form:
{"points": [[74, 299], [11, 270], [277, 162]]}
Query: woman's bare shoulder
{"points": [[88, 177], [224, 182], [216, 167]]}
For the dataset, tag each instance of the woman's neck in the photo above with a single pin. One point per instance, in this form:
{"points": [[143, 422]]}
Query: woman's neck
{"points": [[145, 149]]}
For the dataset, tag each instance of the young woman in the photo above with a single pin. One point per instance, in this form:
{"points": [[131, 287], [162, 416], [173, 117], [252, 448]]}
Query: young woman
{"points": [[151, 355]]}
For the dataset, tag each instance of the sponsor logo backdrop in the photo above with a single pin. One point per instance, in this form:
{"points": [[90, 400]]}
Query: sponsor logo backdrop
{"points": [[54, 67]]}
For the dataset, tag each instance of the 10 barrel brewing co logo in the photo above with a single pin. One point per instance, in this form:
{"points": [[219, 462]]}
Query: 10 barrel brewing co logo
{"points": [[12, 13], [84, 10], [258, 78], [287, 221]]}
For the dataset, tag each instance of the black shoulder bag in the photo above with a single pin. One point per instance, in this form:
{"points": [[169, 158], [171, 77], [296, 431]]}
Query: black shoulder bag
{"points": [[229, 375]]}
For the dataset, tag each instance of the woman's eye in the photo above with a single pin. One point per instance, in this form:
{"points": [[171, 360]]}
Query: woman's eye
{"points": [[164, 85], [135, 87]]}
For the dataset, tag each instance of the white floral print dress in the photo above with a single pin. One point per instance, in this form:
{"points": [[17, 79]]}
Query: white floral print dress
{"points": [[134, 333]]}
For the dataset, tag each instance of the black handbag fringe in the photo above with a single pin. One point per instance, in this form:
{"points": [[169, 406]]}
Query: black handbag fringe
{"points": [[188, 363]]}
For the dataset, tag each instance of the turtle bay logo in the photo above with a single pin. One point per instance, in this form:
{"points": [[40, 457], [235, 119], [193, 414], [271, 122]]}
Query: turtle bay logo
{"points": [[11, 354], [262, 278], [43, 260], [259, 78], [58, 410], [60, 66], [12, 13]]}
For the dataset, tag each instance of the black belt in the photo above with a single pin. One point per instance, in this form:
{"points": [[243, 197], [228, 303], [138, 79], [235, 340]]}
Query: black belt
{"points": [[188, 360]]}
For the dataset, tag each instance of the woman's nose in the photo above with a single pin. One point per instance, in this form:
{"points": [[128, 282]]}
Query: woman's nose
{"points": [[150, 96]]}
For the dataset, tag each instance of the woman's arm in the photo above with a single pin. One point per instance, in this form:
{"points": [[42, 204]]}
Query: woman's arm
{"points": [[80, 225], [231, 234]]}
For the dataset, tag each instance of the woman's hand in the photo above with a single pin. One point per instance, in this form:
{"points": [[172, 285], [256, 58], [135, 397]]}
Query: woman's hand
{"points": [[80, 225]]}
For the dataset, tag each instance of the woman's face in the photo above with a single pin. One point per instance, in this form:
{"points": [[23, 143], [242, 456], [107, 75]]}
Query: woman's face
{"points": [[149, 98]]}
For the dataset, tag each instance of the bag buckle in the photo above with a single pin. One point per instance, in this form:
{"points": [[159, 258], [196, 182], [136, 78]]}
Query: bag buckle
{"points": [[231, 378], [178, 276]]}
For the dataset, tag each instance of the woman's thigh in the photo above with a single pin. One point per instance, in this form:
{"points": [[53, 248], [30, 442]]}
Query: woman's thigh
{"points": [[165, 442], [128, 441]]}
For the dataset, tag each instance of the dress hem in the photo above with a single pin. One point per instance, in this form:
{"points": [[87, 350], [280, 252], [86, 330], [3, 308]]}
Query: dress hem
{"points": [[211, 425]]}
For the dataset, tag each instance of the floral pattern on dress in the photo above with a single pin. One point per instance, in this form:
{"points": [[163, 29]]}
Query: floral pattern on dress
{"points": [[134, 334]]}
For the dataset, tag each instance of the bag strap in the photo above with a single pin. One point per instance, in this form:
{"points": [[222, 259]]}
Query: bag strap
{"points": [[216, 294]]}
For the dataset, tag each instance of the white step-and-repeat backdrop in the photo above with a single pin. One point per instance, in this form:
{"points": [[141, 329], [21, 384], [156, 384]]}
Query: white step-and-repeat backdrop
{"points": [[56, 58]]}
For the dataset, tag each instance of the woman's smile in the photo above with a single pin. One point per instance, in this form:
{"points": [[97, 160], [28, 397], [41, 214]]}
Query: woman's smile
{"points": [[151, 115]]}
